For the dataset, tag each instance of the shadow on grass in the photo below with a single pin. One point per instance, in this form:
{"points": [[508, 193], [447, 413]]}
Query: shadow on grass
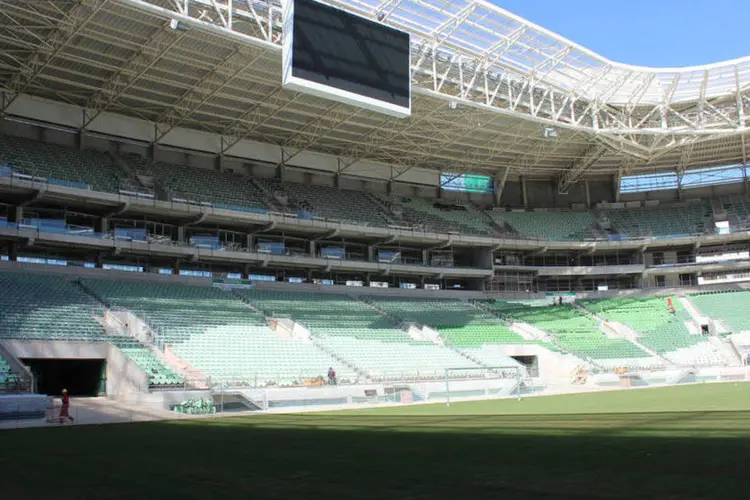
{"points": [[655, 455]]}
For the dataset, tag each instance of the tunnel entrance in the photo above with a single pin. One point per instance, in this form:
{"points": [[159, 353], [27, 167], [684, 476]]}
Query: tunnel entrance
{"points": [[81, 377], [530, 362]]}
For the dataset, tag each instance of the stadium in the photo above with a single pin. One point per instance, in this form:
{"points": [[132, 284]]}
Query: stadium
{"points": [[364, 249]]}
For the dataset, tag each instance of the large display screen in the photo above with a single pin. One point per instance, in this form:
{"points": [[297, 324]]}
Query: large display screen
{"points": [[341, 56], [467, 182]]}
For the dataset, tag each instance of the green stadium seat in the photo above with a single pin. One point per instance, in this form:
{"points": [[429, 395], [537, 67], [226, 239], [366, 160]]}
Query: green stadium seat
{"points": [[552, 225], [660, 221], [218, 334], [661, 330], [361, 335], [62, 165], [44, 307]]}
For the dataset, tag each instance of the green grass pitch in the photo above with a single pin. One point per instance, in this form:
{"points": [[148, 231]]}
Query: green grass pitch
{"points": [[688, 442]]}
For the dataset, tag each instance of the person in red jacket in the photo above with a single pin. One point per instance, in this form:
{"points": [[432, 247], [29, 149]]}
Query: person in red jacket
{"points": [[65, 408]]}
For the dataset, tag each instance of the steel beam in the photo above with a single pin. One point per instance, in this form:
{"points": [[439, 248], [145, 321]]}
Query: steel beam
{"points": [[579, 167], [70, 25]]}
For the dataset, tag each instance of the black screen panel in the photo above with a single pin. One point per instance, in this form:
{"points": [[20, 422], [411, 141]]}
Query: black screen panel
{"points": [[334, 48]]}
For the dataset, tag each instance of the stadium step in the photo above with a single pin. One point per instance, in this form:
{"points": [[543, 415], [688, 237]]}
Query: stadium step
{"points": [[629, 335]]}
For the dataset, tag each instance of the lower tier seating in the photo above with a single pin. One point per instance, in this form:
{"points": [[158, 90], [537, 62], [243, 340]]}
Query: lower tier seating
{"points": [[217, 333], [159, 374], [6, 375], [573, 330], [42, 307], [662, 330], [360, 335], [256, 355], [729, 307]]}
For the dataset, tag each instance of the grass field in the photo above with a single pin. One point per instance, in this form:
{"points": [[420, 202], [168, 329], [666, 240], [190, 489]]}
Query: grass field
{"points": [[682, 442]]}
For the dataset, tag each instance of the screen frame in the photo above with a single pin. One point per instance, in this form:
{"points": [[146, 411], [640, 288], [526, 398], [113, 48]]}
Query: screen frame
{"points": [[291, 82]]}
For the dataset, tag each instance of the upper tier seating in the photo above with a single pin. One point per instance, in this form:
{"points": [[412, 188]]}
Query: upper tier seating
{"points": [[360, 335], [554, 226], [61, 165], [216, 332], [331, 202], [422, 213], [729, 307], [738, 213], [573, 330], [663, 331], [200, 185], [660, 221]]}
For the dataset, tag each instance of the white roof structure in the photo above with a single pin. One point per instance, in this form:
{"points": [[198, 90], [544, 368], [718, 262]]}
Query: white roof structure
{"points": [[488, 87]]}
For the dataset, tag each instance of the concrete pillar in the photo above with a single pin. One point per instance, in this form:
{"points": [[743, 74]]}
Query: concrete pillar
{"points": [[425, 257], [180, 237], [250, 242], [313, 248], [371, 253], [102, 225], [15, 214], [588, 193], [13, 251], [524, 195]]}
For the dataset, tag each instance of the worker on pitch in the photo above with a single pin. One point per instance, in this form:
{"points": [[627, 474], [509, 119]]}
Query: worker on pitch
{"points": [[65, 408]]}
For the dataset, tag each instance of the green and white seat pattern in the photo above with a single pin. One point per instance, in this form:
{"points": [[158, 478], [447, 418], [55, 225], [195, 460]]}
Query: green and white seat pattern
{"points": [[43, 307], [459, 323], [360, 335], [729, 307], [217, 333], [661, 330], [573, 330], [159, 374], [7, 377]]}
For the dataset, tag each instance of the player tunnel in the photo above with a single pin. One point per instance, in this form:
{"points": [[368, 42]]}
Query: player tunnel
{"points": [[531, 363], [81, 377]]}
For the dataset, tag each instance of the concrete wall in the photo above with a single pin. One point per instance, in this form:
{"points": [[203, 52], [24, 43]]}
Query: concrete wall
{"points": [[124, 377]]}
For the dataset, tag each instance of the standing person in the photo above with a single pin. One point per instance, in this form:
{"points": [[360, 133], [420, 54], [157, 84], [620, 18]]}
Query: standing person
{"points": [[65, 408], [330, 375]]}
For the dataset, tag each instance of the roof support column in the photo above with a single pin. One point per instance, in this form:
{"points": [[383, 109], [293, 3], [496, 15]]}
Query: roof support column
{"points": [[616, 181], [588, 193], [499, 182], [524, 196]]}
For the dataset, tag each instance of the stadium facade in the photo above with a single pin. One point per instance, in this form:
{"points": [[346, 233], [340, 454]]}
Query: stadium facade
{"points": [[156, 137]]}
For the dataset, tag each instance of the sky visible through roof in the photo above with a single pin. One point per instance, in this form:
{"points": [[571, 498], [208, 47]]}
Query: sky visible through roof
{"points": [[660, 33]]}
